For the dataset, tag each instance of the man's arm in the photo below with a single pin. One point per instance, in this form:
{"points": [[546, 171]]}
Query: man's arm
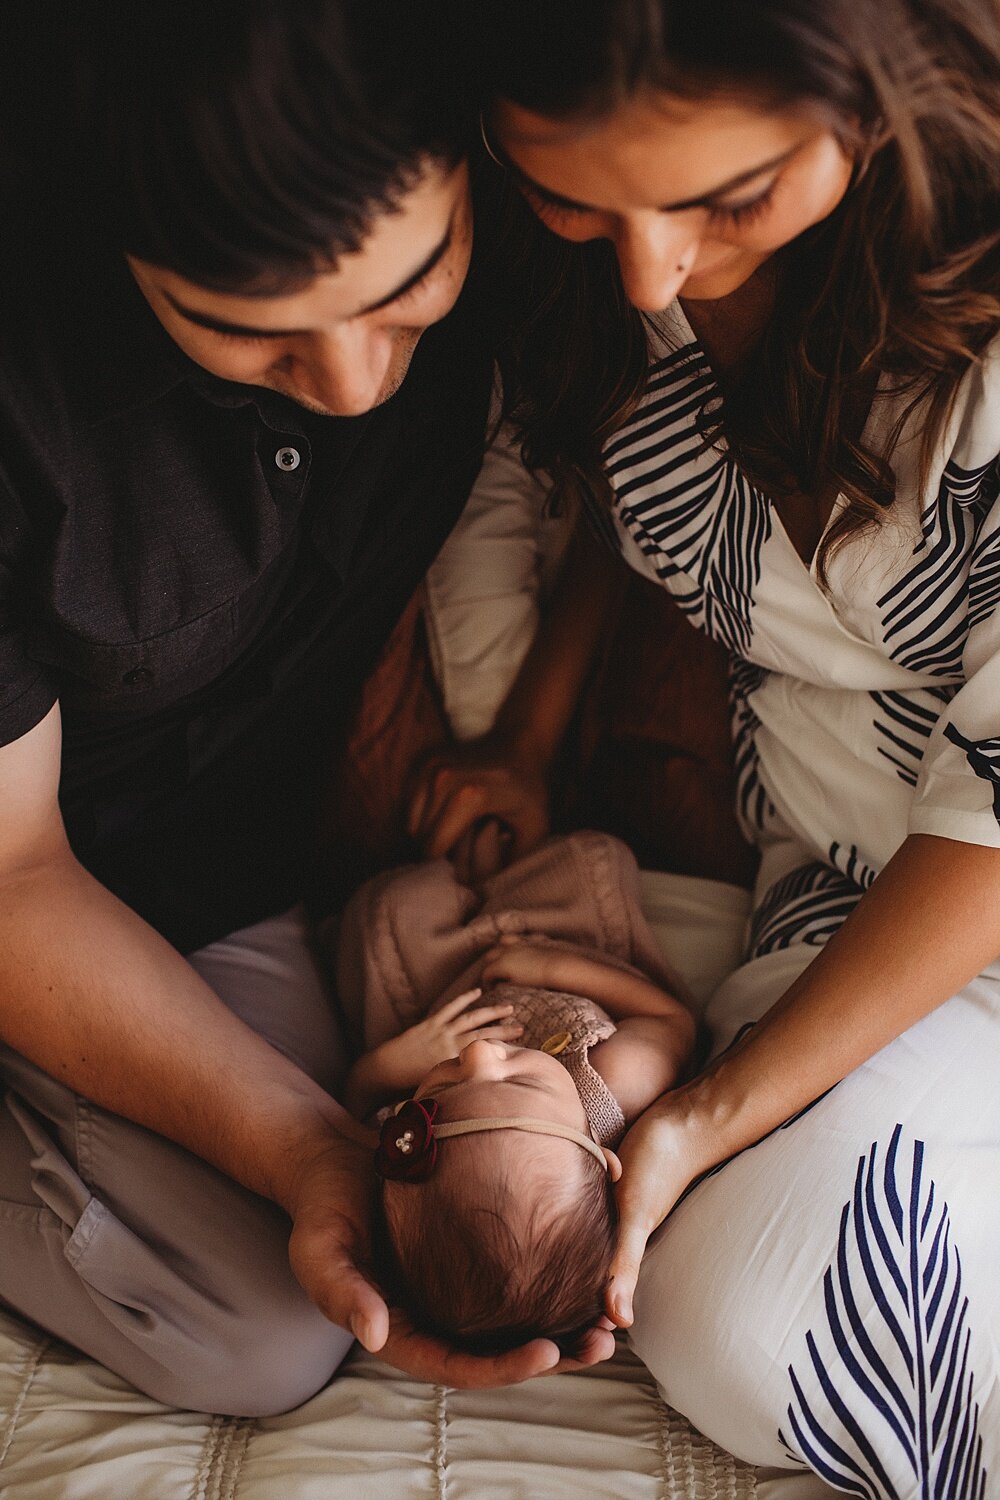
{"points": [[96, 998]]}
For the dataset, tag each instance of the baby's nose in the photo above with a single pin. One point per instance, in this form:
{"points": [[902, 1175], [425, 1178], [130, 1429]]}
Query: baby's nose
{"points": [[483, 1059]]}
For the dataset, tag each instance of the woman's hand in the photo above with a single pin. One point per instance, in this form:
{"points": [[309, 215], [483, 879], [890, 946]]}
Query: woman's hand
{"points": [[662, 1154], [402, 1061], [483, 804]]}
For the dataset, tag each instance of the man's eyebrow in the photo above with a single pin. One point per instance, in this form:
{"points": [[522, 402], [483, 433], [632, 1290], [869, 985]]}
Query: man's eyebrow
{"points": [[559, 201], [438, 253], [247, 331]]}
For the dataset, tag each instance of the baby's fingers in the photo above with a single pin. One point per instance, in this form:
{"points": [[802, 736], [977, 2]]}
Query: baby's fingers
{"points": [[503, 1031], [455, 1007], [475, 1019]]}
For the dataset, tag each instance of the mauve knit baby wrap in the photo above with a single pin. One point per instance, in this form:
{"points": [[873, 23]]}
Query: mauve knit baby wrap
{"points": [[413, 938]]}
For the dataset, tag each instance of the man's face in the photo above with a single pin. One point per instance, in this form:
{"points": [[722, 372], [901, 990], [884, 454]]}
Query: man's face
{"points": [[342, 343]]}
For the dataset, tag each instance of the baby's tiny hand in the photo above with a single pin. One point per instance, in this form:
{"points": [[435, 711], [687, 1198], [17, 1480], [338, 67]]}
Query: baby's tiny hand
{"points": [[404, 1060], [527, 958]]}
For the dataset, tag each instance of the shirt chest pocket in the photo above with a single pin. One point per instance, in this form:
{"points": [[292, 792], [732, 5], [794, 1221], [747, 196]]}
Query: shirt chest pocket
{"points": [[150, 673]]}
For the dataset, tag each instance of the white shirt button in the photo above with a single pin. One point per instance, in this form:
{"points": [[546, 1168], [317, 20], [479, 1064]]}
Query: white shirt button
{"points": [[288, 459]]}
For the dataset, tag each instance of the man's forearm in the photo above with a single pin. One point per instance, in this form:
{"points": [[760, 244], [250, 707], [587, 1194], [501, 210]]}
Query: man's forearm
{"points": [[96, 998], [928, 925]]}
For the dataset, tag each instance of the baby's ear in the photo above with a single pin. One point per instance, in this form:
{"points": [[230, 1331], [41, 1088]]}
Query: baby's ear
{"points": [[614, 1164]]}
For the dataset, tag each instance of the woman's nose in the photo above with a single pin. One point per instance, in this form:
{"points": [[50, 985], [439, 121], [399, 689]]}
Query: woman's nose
{"points": [[656, 252]]}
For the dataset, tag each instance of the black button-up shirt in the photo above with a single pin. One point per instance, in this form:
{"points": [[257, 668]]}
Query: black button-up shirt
{"points": [[202, 573]]}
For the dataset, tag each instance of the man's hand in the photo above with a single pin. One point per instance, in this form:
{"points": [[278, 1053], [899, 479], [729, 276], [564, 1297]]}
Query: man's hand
{"points": [[330, 1245], [431, 1359]]}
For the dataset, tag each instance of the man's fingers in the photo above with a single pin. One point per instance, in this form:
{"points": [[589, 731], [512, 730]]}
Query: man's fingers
{"points": [[418, 802], [596, 1345], [488, 849], [328, 1273], [431, 1359], [529, 830], [369, 1322]]}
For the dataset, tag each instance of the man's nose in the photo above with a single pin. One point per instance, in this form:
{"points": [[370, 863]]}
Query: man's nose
{"points": [[345, 371], [656, 252]]}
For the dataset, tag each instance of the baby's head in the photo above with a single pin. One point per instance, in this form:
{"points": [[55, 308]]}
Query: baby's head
{"points": [[511, 1235]]}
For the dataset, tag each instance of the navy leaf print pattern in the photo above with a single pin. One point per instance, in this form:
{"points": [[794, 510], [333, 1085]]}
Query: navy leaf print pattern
{"points": [[805, 906], [882, 1407], [686, 504], [926, 613], [904, 725], [984, 758], [753, 805], [849, 862]]}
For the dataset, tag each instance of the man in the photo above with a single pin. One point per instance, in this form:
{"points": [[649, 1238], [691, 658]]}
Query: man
{"points": [[217, 492]]}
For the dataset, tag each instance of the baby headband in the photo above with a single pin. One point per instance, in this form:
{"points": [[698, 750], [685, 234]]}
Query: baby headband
{"points": [[408, 1140]]}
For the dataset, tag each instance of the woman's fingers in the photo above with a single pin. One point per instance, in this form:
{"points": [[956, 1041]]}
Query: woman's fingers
{"points": [[448, 821], [430, 784], [625, 1272]]}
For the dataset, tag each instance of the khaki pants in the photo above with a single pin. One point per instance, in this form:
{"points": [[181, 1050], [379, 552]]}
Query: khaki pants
{"points": [[147, 1258]]}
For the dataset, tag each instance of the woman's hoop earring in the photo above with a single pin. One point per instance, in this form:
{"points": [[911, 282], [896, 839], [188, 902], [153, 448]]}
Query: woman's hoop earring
{"points": [[490, 152]]}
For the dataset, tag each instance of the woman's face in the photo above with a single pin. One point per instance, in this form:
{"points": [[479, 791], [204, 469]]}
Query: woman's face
{"points": [[694, 195]]}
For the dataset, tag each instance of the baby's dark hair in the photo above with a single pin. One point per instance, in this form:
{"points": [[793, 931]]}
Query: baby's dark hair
{"points": [[471, 1262]]}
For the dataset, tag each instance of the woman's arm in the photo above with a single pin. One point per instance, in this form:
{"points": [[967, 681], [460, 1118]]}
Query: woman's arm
{"points": [[928, 925]]}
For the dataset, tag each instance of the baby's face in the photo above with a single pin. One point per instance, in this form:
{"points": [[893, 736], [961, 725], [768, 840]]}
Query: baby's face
{"points": [[497, 1078]]}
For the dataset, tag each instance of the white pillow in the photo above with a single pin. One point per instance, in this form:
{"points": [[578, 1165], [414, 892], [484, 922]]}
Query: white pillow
{"points": [[484, 588]]}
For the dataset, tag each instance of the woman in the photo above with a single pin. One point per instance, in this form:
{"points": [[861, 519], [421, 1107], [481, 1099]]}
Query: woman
{"points": [[771, 358]]}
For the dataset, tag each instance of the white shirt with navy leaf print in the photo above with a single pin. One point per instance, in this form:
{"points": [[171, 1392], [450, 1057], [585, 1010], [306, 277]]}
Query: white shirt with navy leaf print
{"points": [[868, 711]]}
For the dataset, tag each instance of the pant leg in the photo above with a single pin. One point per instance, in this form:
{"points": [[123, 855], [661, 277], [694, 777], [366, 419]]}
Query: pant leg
{"points": [[829, 1299], [144, 1256]]}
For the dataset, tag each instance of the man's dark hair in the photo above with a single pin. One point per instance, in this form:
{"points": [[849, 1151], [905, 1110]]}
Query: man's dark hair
{"points": [[241, 143]]}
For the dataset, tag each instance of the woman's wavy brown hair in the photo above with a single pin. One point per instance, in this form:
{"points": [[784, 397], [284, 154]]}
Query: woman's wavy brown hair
{"points": [[900, 282]]}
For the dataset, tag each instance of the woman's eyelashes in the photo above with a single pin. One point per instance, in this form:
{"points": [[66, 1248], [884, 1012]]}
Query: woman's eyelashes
{"points": [[742, 213], [735, 214]]}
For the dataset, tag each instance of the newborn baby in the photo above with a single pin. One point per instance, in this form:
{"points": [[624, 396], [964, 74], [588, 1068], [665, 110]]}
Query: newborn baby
{"points": [[517, 1031]]}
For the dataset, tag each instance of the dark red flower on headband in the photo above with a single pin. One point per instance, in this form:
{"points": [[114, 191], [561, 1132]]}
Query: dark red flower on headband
{"points": [[407, 1149]]}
